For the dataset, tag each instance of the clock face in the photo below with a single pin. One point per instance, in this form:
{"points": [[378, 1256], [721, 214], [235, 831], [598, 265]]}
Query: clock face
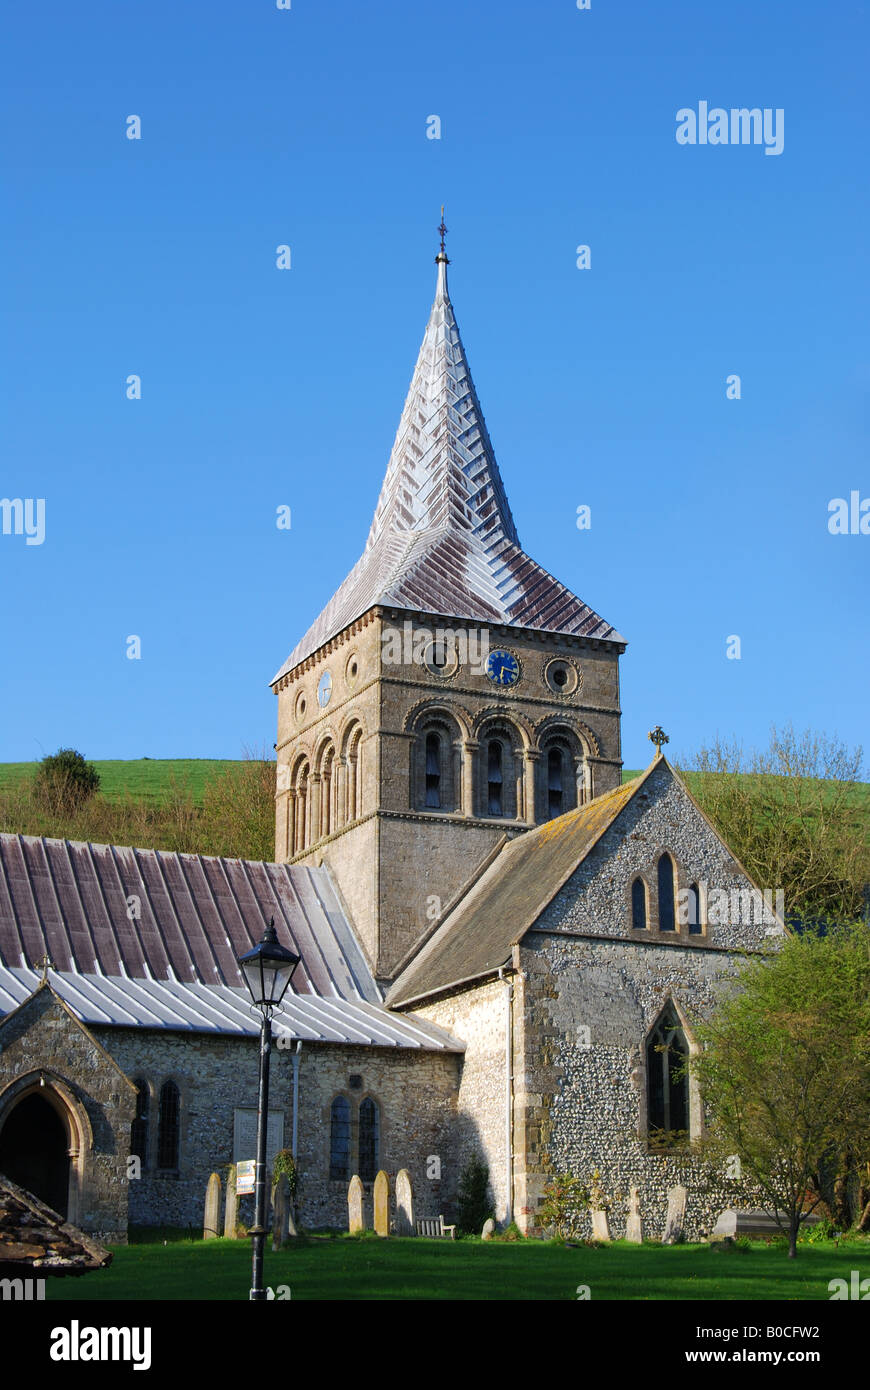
{"points": [[324, 689], [502, 668]]}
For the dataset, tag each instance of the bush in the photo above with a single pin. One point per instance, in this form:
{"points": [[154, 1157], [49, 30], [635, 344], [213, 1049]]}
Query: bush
{"points": [[65, 781], [475, 1204]]}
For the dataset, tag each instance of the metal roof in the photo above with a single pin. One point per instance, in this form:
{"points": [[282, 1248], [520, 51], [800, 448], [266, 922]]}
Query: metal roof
{"points": [[443, 539], [109, 910], [172, 1005]]}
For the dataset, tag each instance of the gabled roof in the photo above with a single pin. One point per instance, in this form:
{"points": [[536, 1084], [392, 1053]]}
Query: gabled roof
{"points": [[478, 936], [443, 540]]}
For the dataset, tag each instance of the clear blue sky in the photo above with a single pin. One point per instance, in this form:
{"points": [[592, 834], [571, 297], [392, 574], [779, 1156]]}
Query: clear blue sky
{"points": [[261, 387]]}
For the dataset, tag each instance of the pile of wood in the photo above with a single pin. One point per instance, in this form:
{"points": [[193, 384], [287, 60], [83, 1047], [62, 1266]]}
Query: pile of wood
{"points": [[32, 1236]]}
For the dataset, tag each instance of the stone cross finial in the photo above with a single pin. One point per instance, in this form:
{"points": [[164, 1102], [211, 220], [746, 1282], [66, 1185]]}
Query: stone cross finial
{"points": [[44, 965], [658, 737]]}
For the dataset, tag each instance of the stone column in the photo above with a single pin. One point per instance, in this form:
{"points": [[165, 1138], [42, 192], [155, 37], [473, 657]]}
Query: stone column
{"points": [[291, 824], [530, 758], [519, 783], [580, 779], [339, 774], [314, 792], [467, 751]]}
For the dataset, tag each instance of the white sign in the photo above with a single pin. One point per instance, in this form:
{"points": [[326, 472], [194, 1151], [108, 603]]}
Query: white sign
{"points": [[246, 1177]]}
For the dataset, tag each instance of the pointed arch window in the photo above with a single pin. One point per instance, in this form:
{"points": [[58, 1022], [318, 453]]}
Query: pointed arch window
{"points": [[694, 906], [168, 1126], [139, 1127], [433, 771], [667, 1082], [369, 1139], [638, 905], [667, 915], [339, 1140], [495, 779]]}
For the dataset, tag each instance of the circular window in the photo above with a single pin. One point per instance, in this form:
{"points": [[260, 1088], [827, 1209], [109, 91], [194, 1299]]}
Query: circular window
{"points": [[351, 670], [440, 657], [562, 676], [301, 706]]}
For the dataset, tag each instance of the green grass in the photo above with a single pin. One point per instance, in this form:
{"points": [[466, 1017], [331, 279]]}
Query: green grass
{"points": [[335, 1267], [148, 779]]}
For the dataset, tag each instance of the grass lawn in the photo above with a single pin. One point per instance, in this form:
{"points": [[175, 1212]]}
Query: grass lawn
{"points": [[147, 779], [335, 1267]]}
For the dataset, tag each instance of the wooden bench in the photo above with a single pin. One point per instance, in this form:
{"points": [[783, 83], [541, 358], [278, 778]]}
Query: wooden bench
{"points": [[435, 1229]]}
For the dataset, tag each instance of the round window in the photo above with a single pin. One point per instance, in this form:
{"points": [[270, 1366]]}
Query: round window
{"points": [[562, 677]]}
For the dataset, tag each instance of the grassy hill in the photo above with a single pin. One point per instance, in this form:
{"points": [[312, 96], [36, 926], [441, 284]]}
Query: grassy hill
{"points": [[148, 779]]}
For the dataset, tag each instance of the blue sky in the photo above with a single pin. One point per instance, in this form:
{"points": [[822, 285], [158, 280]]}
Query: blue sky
{"points": [[262, 387]]}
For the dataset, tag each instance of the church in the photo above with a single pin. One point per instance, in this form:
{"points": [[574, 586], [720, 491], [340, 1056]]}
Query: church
{"points": [[503, 946]]}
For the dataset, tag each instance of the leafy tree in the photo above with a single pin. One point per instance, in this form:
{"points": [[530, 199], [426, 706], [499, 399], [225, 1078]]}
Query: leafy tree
{"points": [[784, 1068], [474, 1202], [795, 815], [65, 781], [564, 1198]]}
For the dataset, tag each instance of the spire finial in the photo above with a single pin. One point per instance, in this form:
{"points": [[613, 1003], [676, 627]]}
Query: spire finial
{"points": [[658, 737], [442, 231]]}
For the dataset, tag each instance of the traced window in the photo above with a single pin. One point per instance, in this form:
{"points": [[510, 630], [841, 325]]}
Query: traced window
{"points": [[667, 917], [139, 1127], [495, 795], [667, 1082], [694, 906], [339, 1140], [167, 1126], [368, 1140], [638, 905], [433, 770]]}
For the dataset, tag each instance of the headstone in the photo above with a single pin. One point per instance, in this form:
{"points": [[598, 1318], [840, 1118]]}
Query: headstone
{"points": [[280, 1210], [634, 1223], [488, 1229], [756, 1223], [404, 1204], [382, 1204], [676, 1216], [231, 1207], [356, 1220], [211, 1219], [600, 1224]]}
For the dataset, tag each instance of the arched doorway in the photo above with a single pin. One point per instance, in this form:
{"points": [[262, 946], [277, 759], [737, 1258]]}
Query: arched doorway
{"points": [[35, 1151]]}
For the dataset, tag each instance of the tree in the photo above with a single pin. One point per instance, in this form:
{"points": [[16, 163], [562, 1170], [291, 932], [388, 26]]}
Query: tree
{"points": [[784, 1068], [564, 1198], [65, 781], [474, 1201], [794, 815]]}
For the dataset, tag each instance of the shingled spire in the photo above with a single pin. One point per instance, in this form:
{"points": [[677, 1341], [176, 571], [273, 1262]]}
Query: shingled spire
{"points": [[442, 539]]}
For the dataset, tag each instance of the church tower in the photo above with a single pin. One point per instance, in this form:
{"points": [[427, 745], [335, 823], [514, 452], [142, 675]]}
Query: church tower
{"points": [[452, 693]]}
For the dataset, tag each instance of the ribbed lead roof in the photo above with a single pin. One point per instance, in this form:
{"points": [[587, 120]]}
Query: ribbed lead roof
{"points": [[443, 539]]}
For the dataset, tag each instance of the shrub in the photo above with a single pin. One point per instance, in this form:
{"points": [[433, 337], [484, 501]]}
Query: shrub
{"points": [[65, 781], [474, 1202]]}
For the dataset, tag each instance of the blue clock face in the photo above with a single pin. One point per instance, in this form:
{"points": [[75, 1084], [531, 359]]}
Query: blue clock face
{"points": [[324, 689], [502, 668]]}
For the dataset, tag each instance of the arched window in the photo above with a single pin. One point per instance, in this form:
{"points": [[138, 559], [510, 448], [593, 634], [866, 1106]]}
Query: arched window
{"points": [[433, 770], [139, 1127], [369, 1140], [167, 1126], [327, 768], [495, 792], [667, 920], [339, 1140], [555, 789], [667, 1081], [354, 775], [694, 905], [638, 905]]}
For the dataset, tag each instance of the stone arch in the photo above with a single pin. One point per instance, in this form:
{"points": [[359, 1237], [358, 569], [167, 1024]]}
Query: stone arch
{"points": [[439, 754], [669, 1026], [79, 1135], [299, 804], [564, 778], [350, 771], [500, 763], [438, 705], [324, 787]]}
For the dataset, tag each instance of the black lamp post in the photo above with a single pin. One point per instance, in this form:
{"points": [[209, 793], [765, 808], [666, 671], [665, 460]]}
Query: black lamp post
{"points": [[267, 970]]}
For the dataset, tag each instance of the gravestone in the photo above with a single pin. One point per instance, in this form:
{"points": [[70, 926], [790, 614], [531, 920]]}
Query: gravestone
{"points": [[600, 1224], [382, 1204], [634, 1223], [356, 1220], [231, 1207], [488, 1229], [404, 1204], [211, 1219], [280, 1211], [676, 1215]]}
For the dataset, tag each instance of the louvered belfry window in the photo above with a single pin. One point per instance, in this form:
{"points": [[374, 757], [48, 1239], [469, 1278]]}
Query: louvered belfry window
{"points": [[495, 780], [554, 783], [433, 770]]}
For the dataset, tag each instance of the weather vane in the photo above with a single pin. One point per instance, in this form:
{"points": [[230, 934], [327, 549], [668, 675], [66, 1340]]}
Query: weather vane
{"points": [[658, 737], [442, 232]]}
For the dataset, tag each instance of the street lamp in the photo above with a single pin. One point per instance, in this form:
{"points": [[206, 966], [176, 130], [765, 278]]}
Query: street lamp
{"points": [[267, 970]]}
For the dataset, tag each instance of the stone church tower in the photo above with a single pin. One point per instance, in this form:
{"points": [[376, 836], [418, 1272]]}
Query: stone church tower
{"points": [[452, 694]]}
